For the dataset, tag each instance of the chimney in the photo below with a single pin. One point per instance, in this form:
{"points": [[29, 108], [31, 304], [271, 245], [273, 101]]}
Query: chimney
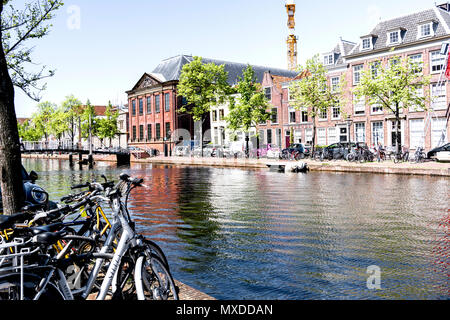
{"points": [[444, 6]]}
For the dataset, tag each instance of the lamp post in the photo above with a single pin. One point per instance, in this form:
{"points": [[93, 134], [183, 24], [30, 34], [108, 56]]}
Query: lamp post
{"points": [[349, 125]]}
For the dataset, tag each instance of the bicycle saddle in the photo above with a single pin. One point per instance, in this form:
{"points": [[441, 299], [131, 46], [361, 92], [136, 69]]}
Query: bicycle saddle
{"points": [[7, 222], [49, 238]]}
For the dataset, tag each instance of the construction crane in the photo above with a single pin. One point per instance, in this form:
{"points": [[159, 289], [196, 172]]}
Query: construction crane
{"points": [[292, 39]]}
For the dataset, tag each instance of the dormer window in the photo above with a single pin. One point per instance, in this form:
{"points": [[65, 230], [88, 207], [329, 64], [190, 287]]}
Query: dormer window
{"points": [[367, 43], [328, 59], [395, 36], [425, 30]]}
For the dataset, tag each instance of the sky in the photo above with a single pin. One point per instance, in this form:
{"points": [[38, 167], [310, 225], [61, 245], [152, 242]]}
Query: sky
{"points": [[101, 48]]}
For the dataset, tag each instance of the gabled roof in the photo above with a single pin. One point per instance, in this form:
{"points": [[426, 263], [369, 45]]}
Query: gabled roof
{"points": [[409, 25], [342, 49], [171, 69]]}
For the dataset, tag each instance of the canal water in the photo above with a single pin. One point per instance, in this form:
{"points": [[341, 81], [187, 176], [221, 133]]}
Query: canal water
{"points": [[256, 234]]}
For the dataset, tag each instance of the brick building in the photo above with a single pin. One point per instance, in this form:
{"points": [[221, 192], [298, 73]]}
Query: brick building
{"points": [[418, 37], [154, 104]]}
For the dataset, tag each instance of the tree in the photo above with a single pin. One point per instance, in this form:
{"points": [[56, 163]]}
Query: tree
{"points": [[43, 117], [16, 27], [202, 85], [398, 85], [59, 123], [73, 108], [88, 120], [312, 93], [107, 127], [28, 131], [250, 106]]}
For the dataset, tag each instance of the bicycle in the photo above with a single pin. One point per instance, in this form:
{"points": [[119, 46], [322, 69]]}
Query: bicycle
{"points": [[419, 155], [402, 156]]}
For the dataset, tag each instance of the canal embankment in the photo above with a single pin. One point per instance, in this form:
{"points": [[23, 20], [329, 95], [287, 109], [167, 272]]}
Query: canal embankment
{"points": [[431, 168]]}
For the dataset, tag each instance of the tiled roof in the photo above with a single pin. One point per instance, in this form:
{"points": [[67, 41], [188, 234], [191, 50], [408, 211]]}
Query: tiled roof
{"points": [[409, 25], [170, 69]]}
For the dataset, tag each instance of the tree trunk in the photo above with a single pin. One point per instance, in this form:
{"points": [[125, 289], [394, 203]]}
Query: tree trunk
{"points": [[398, 139], [10, 156], [313, 136]]}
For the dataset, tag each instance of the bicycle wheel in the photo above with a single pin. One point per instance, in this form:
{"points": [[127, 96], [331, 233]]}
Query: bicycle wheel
{"points": [[10, 288], [153, 248], [152, 279]]}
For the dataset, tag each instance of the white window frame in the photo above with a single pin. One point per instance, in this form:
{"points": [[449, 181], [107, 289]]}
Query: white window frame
{"points": [[333, 109], [328, 59], [376, 108], [416, 133], [359, 105], [370, 44], [419, 92], [360, 135], [437, 124], [377, 129], [322, 114], [414, 58], [420, 29], [292, 110], [357, 70], [335, 83], [438, 57], [441, 93], [322, 136], [389, 40], [308, 135], [333, 136]]}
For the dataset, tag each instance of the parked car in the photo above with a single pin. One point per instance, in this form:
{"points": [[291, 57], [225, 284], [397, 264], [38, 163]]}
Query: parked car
{"points": [[34, 194], [432, 153]]}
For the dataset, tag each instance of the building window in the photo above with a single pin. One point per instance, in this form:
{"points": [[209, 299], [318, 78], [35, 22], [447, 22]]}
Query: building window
{"points": [[360, 132], [214, 115], [221, 114], [425, 30], [149, 132], [134, 133], [308, 136], [436, 61], [335, 84], [419, 92], [133, 107], [304, 116], [323, 115], [274, 118], [394, 37], [416, 63], [269, 136], [322, 136], [416, 133], [141, 107], [374, 67], [268, 93], [336, 113], [292, 118], [332, 135], [157, 104], [120, 124], [149, 105], [377, 132], [377, 108], [357, 70], [158, 131], [328, 59], [438, 96], [141, 132], [438, 130], [359, 105], [168, 133], [367, 43], [167, 102]]}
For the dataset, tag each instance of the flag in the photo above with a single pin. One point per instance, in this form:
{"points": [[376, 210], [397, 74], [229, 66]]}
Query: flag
{"points": [[447, 71]]}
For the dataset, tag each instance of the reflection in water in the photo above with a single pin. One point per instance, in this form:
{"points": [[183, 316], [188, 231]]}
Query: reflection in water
{"points": [[238, 234]]}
